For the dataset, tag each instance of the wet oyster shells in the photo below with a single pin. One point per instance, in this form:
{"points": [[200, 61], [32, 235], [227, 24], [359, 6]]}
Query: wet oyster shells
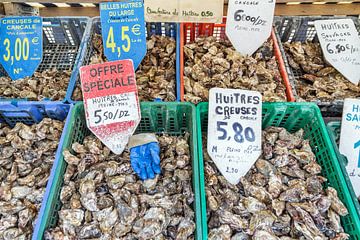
{"points": [[103, 198], [155, 76], [49, 84], [26, 157], [274, 202], [319, 80], [215, 63]]}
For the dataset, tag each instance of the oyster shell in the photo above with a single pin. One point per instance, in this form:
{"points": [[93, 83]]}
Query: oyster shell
{"points": [[274, 200], [215, 63], [49, 84], [319, 80], [26, 167], [105, 199]]}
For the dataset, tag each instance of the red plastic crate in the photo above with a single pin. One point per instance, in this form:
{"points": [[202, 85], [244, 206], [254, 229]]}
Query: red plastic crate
{"points": [[191, 31]]}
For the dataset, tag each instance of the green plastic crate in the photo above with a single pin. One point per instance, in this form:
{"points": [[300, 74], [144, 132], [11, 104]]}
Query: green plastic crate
{"points": [[294, 116], [172, 118], [334, 133]]}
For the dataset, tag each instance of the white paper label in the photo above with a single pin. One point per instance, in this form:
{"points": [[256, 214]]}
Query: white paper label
{"points": [[249, 24], [112, 109], [340, 44], [111, 102], [184, 11], [350, 140], [234, 131]]}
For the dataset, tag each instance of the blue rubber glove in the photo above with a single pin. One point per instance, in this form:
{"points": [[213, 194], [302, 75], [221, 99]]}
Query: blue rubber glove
{"points": [[145, 160]]}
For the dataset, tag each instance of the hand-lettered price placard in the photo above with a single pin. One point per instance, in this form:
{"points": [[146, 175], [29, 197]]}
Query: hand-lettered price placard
{"points": [[350, 140], [340, 43], [123, 30], [234, 131], [111, 102], [184, 11], [249, 24], [21, 45]]}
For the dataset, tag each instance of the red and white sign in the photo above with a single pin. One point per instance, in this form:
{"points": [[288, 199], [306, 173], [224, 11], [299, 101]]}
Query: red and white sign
{"points": [[111, 102]]}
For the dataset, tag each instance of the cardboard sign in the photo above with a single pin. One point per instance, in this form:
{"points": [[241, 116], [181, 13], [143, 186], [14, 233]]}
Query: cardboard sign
{"points": [[184, 11], [21, 48], [234, 131], [111, 102], [340, 44], [123, 30], [249, 24], [350, 140]]}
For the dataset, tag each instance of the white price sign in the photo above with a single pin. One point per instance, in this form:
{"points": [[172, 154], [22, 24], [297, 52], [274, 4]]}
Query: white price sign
{"points": [[234, 131], [184, 11], [350, 140], [249, 24], [340, 44], [111, 102]]}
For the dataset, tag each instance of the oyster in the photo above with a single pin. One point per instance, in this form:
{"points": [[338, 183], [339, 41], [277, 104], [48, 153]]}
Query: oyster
{"points": [[105, 199], [155, 76], [318, 80], [49, 84], [215, 63], [26, 157], [275, 199]]}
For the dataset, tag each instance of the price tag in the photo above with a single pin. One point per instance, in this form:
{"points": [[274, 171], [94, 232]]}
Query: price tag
{"points": [[340, 44], [123, 30], [21, 45], [111, 102], [184, 11], [249, 24], [350, 140], [234, 131]]}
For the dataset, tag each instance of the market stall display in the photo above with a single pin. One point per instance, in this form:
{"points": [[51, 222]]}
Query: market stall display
{"points": [[28, 147], [122, 204], [315, 80], [281, 186], [62, 37], [156, 76], [210, 60]]}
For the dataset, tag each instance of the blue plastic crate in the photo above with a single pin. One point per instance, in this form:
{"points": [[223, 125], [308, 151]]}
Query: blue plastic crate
{"points": [[94, 27], [62, 43], [29, 112]]}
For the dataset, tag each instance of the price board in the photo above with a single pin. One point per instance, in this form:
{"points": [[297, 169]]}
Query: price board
{"points": [[350, 140], [249, 24], [340, 44], [111, 102], [234, 131], [123, 30], [21, 45], [184, 11]]}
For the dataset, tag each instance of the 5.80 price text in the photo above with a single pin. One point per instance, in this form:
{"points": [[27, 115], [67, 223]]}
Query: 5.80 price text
{"points": [[240, 134]]}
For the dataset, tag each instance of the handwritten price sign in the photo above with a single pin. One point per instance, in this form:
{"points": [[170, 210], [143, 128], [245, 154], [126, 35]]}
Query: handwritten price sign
{"points": [[340, 43], [234, 131], [111, 102], [123, 30], [350, 140], [249, 24], [21, 45]]}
